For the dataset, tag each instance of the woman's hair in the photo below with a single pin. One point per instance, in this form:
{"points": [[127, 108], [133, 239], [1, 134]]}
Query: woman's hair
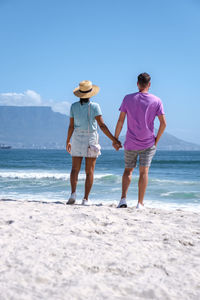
{"points": [[84, 100]]}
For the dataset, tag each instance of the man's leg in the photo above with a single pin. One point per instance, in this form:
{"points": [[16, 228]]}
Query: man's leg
{"points": [[142, 183], [126, 180], [89, 170], [146, 157], [76, 165], [130, 158]]}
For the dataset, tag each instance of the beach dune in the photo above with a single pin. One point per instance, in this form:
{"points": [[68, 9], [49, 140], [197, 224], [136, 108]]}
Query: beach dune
{"points": [[54, 251]]}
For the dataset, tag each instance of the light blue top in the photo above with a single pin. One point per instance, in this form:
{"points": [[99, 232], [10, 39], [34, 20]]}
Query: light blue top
{"points": [[80, 114]]}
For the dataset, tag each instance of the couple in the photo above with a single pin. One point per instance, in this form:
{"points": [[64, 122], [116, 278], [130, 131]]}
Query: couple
{"points": [[140, 108]]}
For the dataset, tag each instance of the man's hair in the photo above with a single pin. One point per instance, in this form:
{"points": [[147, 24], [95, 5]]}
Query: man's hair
{"points": [[144, 79]]}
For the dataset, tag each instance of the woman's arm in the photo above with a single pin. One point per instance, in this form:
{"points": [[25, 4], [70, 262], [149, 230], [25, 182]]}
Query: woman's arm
{"points": [[70, 131], [106, 131]]}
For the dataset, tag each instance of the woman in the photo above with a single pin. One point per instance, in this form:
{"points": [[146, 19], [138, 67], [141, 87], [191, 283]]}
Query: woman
{"points": [[84, 116]]}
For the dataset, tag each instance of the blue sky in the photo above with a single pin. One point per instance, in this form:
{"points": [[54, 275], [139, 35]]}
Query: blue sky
{"points": [[48, 46]]}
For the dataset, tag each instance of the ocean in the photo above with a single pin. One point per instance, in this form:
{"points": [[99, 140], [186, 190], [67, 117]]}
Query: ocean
{"points": [[43, 175]]}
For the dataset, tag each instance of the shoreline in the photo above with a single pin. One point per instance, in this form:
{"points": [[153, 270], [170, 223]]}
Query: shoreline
{"points": [[52, 251]]}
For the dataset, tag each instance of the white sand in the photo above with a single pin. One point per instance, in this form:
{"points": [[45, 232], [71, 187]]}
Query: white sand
{"points": [[53, 251]]}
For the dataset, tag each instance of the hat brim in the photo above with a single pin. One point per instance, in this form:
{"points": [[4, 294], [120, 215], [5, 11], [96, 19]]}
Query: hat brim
{"points": [[94, 91]]}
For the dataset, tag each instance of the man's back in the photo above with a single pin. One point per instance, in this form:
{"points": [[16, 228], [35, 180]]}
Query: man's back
{"points": [[141, 109]]}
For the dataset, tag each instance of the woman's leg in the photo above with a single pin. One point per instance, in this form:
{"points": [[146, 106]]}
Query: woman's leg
{"points": [[76, 165], [89, 170]]}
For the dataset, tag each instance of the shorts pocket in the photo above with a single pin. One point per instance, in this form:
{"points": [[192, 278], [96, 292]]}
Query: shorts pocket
{"points": [[153, 147]]}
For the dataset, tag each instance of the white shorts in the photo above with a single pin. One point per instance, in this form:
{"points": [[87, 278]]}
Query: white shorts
{"points": [[81, 140]]}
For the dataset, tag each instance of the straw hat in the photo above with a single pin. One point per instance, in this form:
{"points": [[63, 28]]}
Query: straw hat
{"points": [[86, 89]]}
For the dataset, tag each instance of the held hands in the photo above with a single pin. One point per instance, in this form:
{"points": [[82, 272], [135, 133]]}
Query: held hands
{"points": [[68, 147], [117, 145]]}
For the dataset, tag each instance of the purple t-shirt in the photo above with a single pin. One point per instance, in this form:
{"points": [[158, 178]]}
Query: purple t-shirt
{"points": [[141, 110]]}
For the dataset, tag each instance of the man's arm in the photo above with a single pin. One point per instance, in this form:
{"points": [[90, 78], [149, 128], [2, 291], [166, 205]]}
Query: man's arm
{"points": [[120, 124], [70, 131], [106, 131], [119, 127], [161, 129]]}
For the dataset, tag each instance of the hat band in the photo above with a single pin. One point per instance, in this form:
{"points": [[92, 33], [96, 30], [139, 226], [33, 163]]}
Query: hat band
{"points": [[85, 91]]}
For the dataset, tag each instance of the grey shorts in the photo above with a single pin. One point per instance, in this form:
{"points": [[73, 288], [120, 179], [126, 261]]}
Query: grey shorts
{"points": [[145, 157]]}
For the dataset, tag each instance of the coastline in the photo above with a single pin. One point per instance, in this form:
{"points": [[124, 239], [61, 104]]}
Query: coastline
{"points": [[54, 251]]}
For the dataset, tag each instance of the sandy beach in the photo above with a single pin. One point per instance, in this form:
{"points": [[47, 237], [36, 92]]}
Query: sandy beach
{"points": [[54, 251]]}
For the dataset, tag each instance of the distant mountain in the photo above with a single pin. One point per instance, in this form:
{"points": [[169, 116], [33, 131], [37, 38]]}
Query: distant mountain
{"points": [[32, 127], [40, 127]]}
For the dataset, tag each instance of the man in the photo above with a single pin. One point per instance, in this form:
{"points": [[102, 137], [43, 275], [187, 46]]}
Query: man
{"points": [[141, 108]]}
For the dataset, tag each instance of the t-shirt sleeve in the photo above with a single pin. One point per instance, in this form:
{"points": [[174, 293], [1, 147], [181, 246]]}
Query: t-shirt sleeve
{"points": [[97, 110], [123, 106], [160, 109], [71, 112]]}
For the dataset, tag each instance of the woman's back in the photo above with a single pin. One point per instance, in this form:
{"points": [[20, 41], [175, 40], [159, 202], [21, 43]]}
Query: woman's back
{"points": [[84, 112]]}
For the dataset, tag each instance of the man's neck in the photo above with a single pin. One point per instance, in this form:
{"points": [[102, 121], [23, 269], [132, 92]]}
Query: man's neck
{"points": [[144, 91]]}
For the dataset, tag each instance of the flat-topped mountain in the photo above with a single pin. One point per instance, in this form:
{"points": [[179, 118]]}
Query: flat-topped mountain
{"points": [[32, 127], [40, 127]]}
